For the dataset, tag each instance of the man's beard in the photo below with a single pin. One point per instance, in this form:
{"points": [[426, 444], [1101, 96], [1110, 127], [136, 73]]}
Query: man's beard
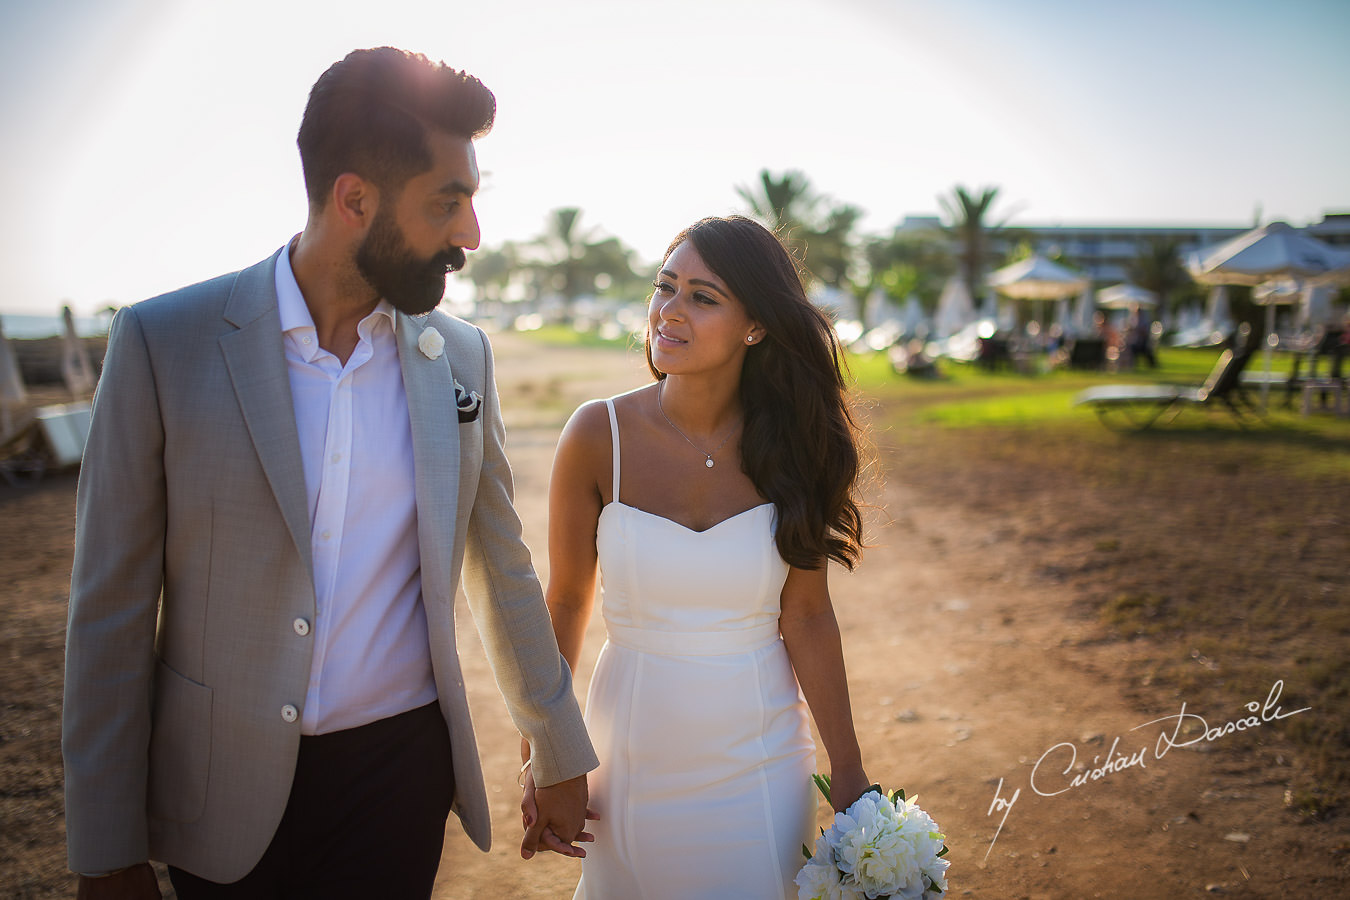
{"points": [[413, 286]]}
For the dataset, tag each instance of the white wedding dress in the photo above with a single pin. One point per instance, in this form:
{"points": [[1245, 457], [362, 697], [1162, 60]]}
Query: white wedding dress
{"points": [[704, 787]]}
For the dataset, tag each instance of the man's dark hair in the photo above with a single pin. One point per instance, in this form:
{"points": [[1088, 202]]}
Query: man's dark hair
{"points": [[370, 111]]}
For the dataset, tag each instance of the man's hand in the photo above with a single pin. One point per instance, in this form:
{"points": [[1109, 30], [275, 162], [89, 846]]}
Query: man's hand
{"points": [[554, 817], [136, 883]]}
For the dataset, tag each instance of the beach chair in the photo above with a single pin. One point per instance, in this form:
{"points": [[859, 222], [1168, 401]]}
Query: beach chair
{"points": [[1139, 406]]}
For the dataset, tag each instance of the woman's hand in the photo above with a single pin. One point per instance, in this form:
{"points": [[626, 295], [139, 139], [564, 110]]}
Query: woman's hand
{"points": [[547, 838], [846, 786]]}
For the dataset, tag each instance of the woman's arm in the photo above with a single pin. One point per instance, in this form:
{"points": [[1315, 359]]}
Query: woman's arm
{"points": [[574, 504], [811, 635]]}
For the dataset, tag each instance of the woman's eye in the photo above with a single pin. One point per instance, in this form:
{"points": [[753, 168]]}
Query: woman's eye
{"points": [[662, 287], [702, 297]]}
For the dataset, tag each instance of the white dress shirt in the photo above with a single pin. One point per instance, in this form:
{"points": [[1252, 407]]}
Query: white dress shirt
{"points": [[371, 656]]}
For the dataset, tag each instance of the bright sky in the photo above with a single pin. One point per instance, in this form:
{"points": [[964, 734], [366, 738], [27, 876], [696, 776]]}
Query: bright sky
{"points": [[148, 144]]}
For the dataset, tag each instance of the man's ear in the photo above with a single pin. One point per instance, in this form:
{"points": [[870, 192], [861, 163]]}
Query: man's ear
{"points": [[355, 200]]}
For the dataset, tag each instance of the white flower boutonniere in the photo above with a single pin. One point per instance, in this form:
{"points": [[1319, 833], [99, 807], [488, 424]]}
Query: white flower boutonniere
{"points": [[431, 343]]}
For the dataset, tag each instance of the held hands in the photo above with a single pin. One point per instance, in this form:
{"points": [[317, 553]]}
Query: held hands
{"points": [[554, 817], [135, 883]]}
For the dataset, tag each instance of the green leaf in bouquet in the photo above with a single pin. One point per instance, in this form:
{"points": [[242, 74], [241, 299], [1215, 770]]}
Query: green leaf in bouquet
{"points": [[806, 851], [823, 784]]}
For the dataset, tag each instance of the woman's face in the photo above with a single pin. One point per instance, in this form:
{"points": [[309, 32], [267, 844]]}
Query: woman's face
{"points": [[696, 323]]}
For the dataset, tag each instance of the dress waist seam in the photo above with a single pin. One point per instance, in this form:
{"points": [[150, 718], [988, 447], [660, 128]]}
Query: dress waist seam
{"points": [[693, 643]]}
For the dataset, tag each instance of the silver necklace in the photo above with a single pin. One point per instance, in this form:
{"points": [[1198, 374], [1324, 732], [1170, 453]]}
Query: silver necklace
{"points": [[707, 457]]}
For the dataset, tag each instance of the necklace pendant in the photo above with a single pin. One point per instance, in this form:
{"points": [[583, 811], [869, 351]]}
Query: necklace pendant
{"points": [[708, 462]]}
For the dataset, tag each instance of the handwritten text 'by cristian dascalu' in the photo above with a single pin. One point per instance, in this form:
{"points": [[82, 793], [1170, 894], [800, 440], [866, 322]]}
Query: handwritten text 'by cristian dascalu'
{"points": [[1051, 776]]}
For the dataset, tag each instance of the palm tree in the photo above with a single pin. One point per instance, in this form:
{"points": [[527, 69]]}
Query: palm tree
{"points": [[786, 204], [490, 270], [967, 213], [831, 251], [563, 270], [609, 264]]}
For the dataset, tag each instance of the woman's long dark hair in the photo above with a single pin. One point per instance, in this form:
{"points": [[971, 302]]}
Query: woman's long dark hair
{"points": [[800, 442]]}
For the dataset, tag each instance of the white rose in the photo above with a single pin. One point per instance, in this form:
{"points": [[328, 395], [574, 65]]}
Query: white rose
{"points": [[430, 343]]}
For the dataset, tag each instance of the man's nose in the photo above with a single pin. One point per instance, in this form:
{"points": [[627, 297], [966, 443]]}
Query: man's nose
{"points": [[468, 235]]}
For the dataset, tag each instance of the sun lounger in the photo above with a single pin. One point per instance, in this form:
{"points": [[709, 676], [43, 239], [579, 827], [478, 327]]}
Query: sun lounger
{"points": [[1139, 406]]}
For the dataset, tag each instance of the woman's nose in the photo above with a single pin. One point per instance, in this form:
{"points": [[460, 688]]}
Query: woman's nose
{"points": [[673, 307]]}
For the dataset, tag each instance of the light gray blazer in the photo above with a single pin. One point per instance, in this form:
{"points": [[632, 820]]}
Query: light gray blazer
{"points": [[192, 563]]}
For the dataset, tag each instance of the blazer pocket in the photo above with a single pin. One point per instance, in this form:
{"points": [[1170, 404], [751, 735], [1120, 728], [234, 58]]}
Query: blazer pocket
{"points": [[467, 403], [180, 746]]}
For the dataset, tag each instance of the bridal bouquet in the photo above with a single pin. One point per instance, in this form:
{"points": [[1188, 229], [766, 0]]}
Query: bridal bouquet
{"points": [[880, 847]]}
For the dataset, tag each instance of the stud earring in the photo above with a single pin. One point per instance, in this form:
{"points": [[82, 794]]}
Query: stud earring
{"points": [[749, 338]]}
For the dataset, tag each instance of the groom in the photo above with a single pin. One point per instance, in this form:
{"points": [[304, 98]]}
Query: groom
{"points": [[286, 473]]}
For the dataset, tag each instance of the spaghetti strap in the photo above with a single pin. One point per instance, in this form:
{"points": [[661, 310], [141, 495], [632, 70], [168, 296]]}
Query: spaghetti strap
{"points": [[614, 438]]}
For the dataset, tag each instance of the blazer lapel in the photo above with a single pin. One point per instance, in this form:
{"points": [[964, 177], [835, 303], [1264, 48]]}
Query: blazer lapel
{"points": [[256, 361], [430, 387]]}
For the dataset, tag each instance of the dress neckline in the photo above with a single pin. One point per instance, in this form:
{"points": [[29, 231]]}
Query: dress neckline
{"points": [[681, 525], [614, 490]]}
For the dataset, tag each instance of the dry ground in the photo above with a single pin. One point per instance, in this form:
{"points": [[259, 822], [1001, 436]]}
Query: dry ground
{"points": [[974, 645]]}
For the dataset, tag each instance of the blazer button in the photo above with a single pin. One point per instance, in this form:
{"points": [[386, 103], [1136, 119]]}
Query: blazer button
{"points": [[301, 626], [289, 713]]}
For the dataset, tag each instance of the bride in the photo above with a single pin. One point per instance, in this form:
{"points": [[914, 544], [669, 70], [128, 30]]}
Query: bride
{"points": [[710, 503]]}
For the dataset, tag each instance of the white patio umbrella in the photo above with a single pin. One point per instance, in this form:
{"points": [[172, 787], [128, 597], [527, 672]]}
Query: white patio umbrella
{"points": [[1270, 253], [1064, 317], [1312, 297], [1084, 310], [76, 367], [1037, 278], [911, 316], [13, 394], [1084, 313], [1274, 293], [1316, 306], [1124, 296], [1283, 292], [1218, 313], [955, 309]]}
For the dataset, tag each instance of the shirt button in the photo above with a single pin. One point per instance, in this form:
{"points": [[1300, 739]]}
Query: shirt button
{"points": [[289, 713], [326, 534], [308, 341], [337, 457], [301, 626]]}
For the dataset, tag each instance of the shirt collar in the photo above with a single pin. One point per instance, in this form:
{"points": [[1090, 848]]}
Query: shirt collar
{"points": [[291, 303]]}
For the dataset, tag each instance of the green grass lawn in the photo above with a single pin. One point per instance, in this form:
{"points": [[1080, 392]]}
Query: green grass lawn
{"points": [[566, 336], [968, 397]]}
